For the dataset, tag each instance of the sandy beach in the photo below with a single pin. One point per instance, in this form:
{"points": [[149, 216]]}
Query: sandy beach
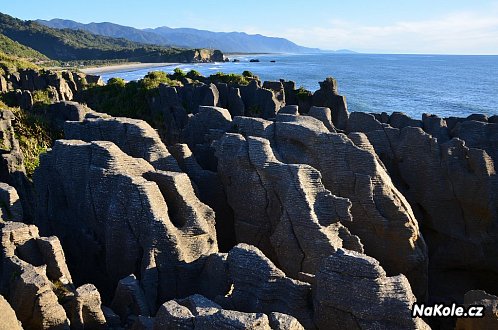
{"points": [[123, 67]]}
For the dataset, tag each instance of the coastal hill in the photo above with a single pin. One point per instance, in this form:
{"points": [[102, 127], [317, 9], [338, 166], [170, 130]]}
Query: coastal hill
{"points": [[77, 45], [12, 48], [228, 42]]}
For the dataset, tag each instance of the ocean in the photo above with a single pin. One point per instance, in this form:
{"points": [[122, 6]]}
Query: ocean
{"points": [[445, 85]]}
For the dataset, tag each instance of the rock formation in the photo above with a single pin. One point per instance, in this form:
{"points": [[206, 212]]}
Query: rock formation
{"points": [[12, 170], [259, 286], [197, 312], [39, 286], [363, 296], [277, 220], [328, 96], [286, 212], [134, 137], [490, 317], [9, 318], [10, 205], [130, 219], [453, 192], [355, 173]]}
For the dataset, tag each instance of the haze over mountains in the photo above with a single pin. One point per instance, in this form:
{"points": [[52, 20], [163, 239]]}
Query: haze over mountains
{"points": [[228, 42]]}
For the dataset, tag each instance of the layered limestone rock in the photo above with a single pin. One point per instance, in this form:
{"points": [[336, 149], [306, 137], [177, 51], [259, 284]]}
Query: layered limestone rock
{"points": [[279, 321], [349, 168], [115, 215], [39, 286], [328, 96], [9, 318], [453, 192], [210, 191], [60, 112], [10, 205], [480, 135], [169, 105], [129, 299], [63, 84], [286, 211], [324, 115], [352, 291], [490, 316], [203, 128], [85, 309], [259, 286], [193, 96], [12, 170], [258, 101], [197, 312], [134, 137]]}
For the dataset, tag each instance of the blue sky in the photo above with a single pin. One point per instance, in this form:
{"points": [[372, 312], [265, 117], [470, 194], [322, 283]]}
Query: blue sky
{"points": [[380, 26]]}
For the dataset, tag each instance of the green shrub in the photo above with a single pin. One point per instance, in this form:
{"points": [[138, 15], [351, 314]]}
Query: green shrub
{"points": [[248, 74], [194, 74], [35, 135], [118, 82], [303, 94], [229, 78], [41, 97]]}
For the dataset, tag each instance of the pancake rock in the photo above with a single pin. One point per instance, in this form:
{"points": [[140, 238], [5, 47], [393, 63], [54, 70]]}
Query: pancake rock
{"points": [[259, 286], [10, 205], [453, 190], [115, 215], [134, 137], [9, 318], [285, 210], [328, 96], [197, 312], [202, 129], [352, 291], [12, 170], [39, 286], [210, 191], [490, 319], [350, 168]]}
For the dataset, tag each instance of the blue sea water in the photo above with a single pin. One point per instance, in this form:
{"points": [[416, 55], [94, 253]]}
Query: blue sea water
{"points": [[446, 85]]}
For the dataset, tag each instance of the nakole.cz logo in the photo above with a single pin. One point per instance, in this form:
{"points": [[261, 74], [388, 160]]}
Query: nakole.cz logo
{"points": [[443, 310]]}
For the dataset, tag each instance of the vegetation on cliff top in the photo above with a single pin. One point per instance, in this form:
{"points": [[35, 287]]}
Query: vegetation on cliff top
{"points": [[131, 99], [12, 48], [11, 64], [34, 133]]}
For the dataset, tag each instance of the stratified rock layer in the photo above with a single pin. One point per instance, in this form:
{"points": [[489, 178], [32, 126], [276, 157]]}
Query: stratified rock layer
{"points": [[116, 215], [286, 211], [352, 291], [349, 168]]}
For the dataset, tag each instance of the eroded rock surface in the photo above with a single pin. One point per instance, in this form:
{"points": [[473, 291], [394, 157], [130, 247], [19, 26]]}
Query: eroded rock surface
{"points": [[490, 319], [286, 211], [197, 312], [39, 286], [352, 291], [115, 215], [349, 168], [259, 286]]}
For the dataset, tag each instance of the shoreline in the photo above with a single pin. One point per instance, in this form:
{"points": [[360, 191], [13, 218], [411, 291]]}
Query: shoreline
{"points": [[123, 67]]}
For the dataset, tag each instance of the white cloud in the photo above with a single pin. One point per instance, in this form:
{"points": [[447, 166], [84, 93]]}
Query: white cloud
{"points": [[459, 33]]}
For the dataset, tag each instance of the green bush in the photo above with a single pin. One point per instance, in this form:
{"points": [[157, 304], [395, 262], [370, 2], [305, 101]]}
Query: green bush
{"points": [[303, 94], [41, 97], [117, 82], [248, 74], [194, 74], [34, 134], [229, 78]]}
